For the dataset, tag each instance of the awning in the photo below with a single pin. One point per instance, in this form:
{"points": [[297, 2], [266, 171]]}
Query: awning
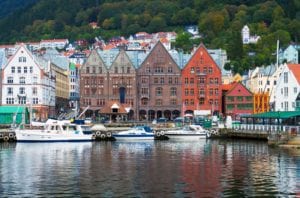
{"points": [[274, 115]]}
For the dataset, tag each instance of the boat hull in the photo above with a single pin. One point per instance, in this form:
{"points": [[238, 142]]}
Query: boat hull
{"points": [[26, 136], [133, 137], [186, 136]]}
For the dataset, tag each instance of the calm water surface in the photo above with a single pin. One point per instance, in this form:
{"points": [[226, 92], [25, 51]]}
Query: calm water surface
{"points": [[213, 168]]}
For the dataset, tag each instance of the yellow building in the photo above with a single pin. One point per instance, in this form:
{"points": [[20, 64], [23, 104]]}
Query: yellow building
{"points": [[261, 102], [61, 87]]}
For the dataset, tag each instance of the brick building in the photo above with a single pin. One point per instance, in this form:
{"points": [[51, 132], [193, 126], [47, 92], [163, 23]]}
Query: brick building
{"points": [[159, 85]]}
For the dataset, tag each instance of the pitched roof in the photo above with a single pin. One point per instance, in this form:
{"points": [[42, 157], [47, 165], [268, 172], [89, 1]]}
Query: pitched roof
{"points": [[295, 68], [107, 109]]}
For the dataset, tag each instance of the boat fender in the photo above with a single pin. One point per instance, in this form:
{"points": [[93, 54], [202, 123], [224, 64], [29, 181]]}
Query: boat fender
{"points": [[102, 135], [157, 133], [162, 133], [6, 138], [108, 134], [10, 135], [93, 136], [15, 137], [213, 132], [1, 135], [98, 133], [208, 134]]}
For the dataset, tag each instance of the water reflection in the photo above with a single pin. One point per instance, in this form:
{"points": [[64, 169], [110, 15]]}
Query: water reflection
{"points": [[148, 169]]}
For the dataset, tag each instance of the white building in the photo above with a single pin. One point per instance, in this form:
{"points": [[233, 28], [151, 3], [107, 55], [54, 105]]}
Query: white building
{"points": [[54, 43], [28, 81], [287, 88], [246, 36]]}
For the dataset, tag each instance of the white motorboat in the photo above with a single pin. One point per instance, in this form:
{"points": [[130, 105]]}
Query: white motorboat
{"points": [[135, 133], [188, 132], [55, 131]]}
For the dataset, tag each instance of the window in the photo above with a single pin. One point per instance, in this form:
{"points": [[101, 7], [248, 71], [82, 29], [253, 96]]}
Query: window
{"points": [[155, 80], [286, 91], [25, 70], [192, 102], [202, 80], [94, 70], [216, 81], [158, 91], [10, 80], [87, 70], [22, 90], [201, 101], [9, 91], [100, 70], [22, 80], [34, 90], [10, 101], [162, 80], [192, 81], [211, 92], [192, 70], [204, 70], [173, 101], [192, 92], [35, 100], [116, 70], [13, 69], [144, 80], [170, 80], [144, 101], [211, 81], [22, 100], [295, 90], [201, 92], [22, 59], [197, 70], [186, 92], [19, 70], [285, 77], [148, 70], [158, 102], [145, 91], [128, 70], [173, 91], [239, 98], [210, 70], [34, 80], [170, 70], [216, 92], [176, 80], [186, 81], [31, 69]]}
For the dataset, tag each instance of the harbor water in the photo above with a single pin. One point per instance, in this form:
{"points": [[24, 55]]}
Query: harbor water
{"points": [[206, 168]]}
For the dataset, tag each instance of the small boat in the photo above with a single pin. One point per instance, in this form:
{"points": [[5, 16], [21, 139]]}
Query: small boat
{"points": [[54, 131], [135, 133], [188, 132]]}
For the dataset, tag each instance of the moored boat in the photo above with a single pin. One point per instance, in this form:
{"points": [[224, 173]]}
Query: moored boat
{"points": [[188, 132], [55, 131], [135, 133]]}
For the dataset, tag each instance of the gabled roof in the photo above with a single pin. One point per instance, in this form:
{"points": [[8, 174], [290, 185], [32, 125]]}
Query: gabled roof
{"points": [[202, 46], [295, 68], [234, 85], [159, 44], [42, 64]]}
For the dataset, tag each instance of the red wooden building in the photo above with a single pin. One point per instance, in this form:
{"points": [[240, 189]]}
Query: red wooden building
{"points": [[237, 100], [201, 83]]}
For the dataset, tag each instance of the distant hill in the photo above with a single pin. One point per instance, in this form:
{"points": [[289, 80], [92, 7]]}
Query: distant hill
{"points": [[219, 22], [10, 6]]}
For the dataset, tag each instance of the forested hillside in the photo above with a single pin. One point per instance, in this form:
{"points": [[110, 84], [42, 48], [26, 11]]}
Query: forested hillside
{"points": [[219, 21]]}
